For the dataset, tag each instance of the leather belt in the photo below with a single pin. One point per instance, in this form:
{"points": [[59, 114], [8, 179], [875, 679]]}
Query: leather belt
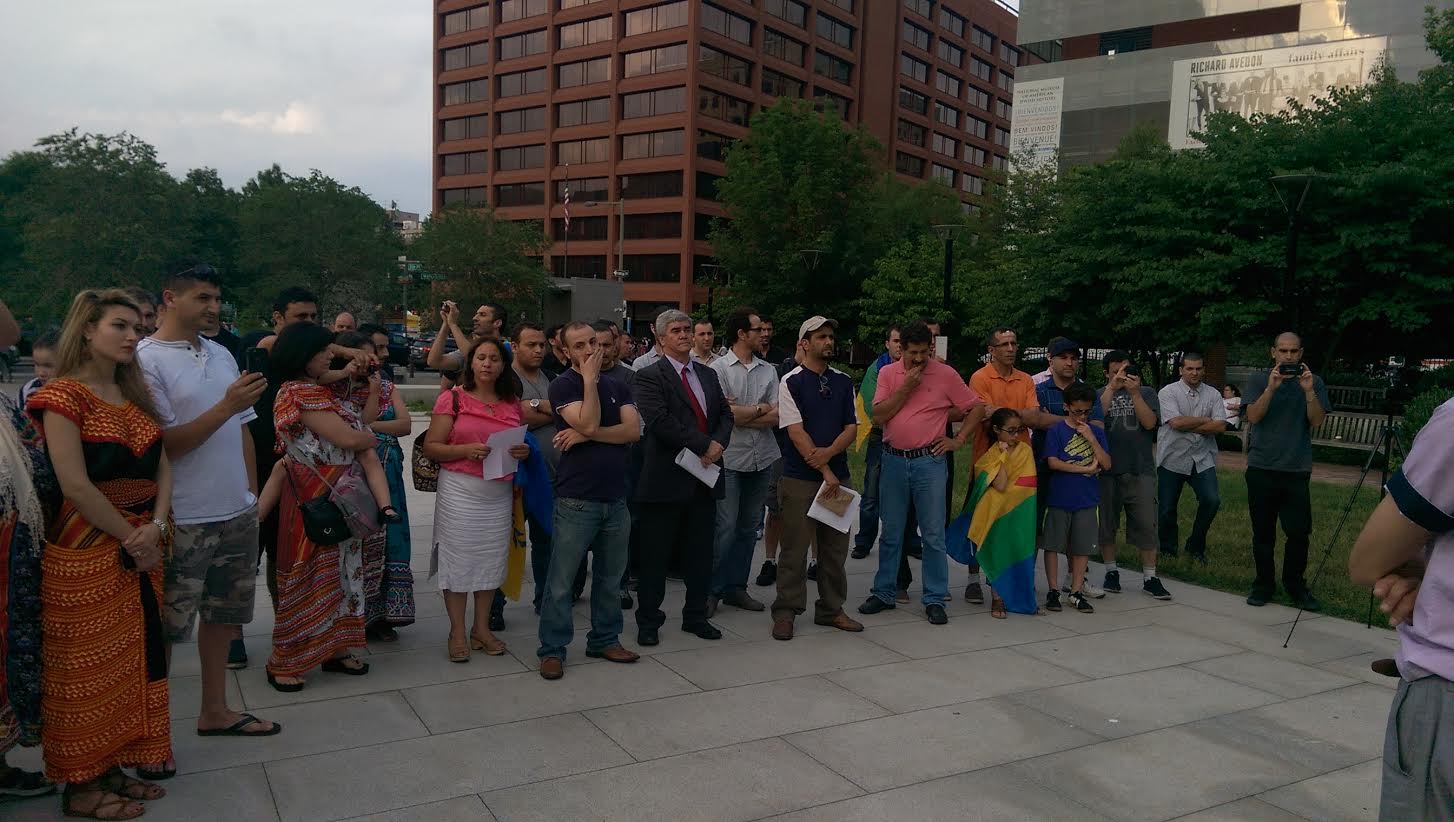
{"points": [[926, 451]]}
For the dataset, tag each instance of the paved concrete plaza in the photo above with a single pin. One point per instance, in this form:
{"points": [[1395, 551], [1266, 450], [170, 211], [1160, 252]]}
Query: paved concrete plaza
{"points": [[1145, 710]]}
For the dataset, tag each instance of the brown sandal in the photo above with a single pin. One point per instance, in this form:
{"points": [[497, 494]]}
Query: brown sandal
{"points": [[138, 789], [108, 805], [459, 651], [497, 649], [997, 608]]}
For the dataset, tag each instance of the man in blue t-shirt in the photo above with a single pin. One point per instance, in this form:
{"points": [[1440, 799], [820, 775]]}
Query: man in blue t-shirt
{"points": [[1064, 358], [596, 422], [1076, 452]]}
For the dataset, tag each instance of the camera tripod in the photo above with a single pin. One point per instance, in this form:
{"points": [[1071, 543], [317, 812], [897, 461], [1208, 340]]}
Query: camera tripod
{"points": [[1388, 444]]}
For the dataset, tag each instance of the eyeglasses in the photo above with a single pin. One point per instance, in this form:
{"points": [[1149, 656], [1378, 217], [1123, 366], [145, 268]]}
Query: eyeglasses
{"points": [[824, 389], [1078, 413], [1014, 432]]}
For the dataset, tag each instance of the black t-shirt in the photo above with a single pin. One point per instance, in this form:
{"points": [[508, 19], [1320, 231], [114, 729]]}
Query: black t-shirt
{"points": [[592, 470]]}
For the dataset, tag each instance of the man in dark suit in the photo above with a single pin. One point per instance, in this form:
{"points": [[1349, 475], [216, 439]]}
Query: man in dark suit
{"points": [[682, 406]]}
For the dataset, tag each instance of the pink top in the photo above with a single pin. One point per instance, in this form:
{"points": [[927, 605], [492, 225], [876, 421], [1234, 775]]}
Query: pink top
{"points": [[475, 423], [925, 414]]}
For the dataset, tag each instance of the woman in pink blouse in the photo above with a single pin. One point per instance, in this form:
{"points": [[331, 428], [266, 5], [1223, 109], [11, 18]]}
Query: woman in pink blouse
{"points": [[472, 519]]}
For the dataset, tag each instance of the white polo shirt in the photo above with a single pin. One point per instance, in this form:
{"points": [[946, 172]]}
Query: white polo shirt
{"points": [[209, 484]]}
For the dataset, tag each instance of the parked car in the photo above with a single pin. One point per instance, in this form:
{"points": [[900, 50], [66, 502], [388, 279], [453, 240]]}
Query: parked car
{"points": [[419, 351], [398, 349]]}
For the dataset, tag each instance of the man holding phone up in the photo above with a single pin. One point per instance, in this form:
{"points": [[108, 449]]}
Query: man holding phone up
{"points": [[1282, 407]]}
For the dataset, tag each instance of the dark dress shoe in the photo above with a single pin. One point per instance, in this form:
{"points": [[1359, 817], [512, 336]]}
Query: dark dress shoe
{"points": [[1307, 602], [1257, 599], [615, 653], [497, 622], [936, 615], [782, 628], [705, 630], [647, 636], [873, 605], [841, 621], [627, 603], [552, 667], [860, 553]]}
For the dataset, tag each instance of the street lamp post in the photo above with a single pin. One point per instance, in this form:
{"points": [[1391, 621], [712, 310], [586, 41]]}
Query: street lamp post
{"points": [[946, 233], [710, 273], [1292, 191], [620, 231]]}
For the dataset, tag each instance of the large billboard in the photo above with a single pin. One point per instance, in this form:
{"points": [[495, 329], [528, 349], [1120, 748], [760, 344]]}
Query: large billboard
{"points": [[1035, 121], [1263, 82]]}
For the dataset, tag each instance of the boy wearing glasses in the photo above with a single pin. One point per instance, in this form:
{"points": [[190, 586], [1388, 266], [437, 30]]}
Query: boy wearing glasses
{"points": [[1076, 452]]}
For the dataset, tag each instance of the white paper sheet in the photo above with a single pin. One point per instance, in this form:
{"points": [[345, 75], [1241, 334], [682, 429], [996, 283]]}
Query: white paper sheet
{"points": [[692, 464], [848, 520], [498, 462]]}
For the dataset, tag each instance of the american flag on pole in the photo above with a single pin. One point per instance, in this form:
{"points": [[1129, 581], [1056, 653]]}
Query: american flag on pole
{"points": [[567, 201]]}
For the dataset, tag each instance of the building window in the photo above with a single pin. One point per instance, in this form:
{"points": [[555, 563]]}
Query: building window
{"points": [[653, 268], [520, 9], [947, 115], [475, 195], [1120, 42], [581, 228], [972, 184], [723, 107], [1009, 55], [781, 46], [974, 155], [469, 162], [702, 226], [828, 100], [726, 24], [909, 164], [917, 69], [780, 85], [832, 67], [522, 82], [917, 37], [721, 64], [649, 186], [466, 128], [656, 18], [913, 101], [589, 266], [520, 194], [584, 33], [652, 144], [654, 61], [583, 73], [516, 158], [981, 69], [947, 146], [570, 4], [476, 17], [1047, 50], [712, 146], [923, 8], [946, 83], [789, 10], [580, 152], [581, 112], [1005, 81], [950, 53], [1002, 138], [653, 103], [912, 133], [951, 22], [475, 54], [523, 45], [943, 174], [584, 190], [654, 226], [982, 39], [977, 127], [470, 91], [835, 31], [979, 98], [1004, 109], [846, 5], [1000, 162], [521, 120], [707, 185]]}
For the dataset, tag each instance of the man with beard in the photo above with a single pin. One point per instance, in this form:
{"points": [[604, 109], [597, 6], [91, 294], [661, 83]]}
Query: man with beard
{"points": [[489, 321]]}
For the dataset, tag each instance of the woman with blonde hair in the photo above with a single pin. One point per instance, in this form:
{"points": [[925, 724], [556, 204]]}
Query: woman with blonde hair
{"points": [[101, 581]]}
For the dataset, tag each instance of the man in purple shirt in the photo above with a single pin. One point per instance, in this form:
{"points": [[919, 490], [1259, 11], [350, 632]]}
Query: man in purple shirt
{"points": [[1406, 551]]}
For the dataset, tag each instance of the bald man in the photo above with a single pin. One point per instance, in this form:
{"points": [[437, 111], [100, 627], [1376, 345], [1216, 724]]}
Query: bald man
{"points": [[344, 322], [1282, 406]]}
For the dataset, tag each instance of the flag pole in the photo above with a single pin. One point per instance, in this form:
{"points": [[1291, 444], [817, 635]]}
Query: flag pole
{"points": [[566, 262]]}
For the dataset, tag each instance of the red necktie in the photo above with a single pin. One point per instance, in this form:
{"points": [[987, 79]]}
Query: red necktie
{"points": [[692, 398]]}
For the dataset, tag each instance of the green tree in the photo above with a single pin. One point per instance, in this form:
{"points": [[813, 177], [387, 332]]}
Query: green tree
{"points": [[481, 255]]}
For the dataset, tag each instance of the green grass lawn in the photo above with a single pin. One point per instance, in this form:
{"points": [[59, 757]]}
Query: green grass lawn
{"points": [[1229, 545]]}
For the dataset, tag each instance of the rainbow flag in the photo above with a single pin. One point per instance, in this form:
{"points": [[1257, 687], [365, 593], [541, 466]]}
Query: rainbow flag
{"points": [[997, 528], [864, 407]]}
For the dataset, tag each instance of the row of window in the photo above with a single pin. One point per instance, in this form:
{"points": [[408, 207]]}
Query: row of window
{"points": [[917, 135], [652, 185], [920, 36], [636, 227], [914, 166], [910, 100]]}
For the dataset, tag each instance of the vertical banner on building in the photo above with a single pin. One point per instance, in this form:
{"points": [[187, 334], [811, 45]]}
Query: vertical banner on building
{"points": [[1263, 82], [1035, 123]]}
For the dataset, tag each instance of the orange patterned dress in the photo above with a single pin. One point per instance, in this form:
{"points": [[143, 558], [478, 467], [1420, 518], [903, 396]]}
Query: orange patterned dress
{"points": [[104, 681]]}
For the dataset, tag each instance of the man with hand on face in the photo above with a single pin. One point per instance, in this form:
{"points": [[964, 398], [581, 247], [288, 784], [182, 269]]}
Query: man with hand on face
{"points": [[489, 321], [913, 401], [682, 405], [597, 423], [1282, 406]]}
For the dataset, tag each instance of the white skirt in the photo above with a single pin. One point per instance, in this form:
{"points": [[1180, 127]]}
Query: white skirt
{"points": [[472, 522]]}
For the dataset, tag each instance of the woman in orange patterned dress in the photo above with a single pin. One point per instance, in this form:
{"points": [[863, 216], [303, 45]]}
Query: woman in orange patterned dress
{"points": [[103, 686]]}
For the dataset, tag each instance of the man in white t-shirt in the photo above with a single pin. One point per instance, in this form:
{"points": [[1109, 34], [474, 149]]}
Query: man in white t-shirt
{"points": [[204, 407]]}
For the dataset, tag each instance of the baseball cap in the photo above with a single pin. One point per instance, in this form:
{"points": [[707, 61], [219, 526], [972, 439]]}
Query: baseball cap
{"points": [[814, 323], [1061, 345]]}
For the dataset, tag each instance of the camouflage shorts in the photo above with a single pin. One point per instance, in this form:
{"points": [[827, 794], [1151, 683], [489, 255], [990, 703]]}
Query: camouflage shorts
{"points": [[213, 571]]}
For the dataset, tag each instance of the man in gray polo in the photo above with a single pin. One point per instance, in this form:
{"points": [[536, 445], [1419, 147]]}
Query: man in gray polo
{"points": [[1132, 411], [1192, 415]]}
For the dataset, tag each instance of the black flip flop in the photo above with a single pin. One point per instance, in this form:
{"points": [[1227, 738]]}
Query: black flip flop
{"points": [[236, 728], [336, 666], [285, 687]]}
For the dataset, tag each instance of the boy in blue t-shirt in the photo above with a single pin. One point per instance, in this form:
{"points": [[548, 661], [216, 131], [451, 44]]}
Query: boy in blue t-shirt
{"points": [[1075, 452]]}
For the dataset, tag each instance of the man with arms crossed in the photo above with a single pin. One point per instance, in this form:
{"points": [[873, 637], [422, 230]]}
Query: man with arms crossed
{"points": [[1192, 415]]}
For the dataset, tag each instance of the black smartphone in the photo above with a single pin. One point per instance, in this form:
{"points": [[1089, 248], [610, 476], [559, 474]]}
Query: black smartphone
{"points": [[1132, 370], [255, 360], [1290, 369]]}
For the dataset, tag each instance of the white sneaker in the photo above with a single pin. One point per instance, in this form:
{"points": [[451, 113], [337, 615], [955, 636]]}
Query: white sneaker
{"points": [[1086, 588]]}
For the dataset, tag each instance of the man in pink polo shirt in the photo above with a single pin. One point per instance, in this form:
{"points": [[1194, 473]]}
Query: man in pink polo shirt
{"points": [[912, 402]]}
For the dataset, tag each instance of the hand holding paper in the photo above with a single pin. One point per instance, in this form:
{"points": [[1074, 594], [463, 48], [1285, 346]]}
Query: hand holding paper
{"points": [[692, 464], [840, 521], [499, 461]]}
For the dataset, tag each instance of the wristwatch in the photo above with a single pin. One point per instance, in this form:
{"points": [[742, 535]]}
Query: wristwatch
{"points": [[535, 405], [163, 526]]}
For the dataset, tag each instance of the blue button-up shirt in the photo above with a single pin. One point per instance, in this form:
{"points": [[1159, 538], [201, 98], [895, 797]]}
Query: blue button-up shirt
{"points": [[1187, 452]]}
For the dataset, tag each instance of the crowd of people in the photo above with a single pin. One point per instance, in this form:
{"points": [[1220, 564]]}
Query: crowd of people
{"points": [[157, 459]]}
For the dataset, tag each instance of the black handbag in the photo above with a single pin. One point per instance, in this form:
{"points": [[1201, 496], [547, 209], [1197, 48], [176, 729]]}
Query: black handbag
{"points": [[323, 521]]}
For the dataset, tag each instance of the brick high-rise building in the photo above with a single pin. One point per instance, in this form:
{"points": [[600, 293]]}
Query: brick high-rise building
{"points": [[640, 99]]}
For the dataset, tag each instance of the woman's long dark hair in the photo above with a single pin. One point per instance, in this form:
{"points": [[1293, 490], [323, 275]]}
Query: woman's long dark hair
{"points": [[507, 385], [295, 346]]}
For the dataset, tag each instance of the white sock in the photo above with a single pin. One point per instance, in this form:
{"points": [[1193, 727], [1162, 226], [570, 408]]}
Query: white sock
{"points": [[1149, 572], [1111, 566]]}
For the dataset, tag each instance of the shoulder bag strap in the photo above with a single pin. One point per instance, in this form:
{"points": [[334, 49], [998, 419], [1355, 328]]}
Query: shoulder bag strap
{"points": [[290, 452]]}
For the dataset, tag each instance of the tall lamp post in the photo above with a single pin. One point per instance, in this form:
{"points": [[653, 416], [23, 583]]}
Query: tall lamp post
{"points": [[620, 232], [1292, 191], [946, 233], [710, 273]]}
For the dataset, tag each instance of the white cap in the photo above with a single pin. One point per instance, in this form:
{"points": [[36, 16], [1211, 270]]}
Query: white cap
{"points": [[814, 323]]}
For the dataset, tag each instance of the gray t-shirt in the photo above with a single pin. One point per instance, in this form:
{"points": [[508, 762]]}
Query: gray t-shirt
{"points": [[539, 389], [1282, 441], [1133, 448]]}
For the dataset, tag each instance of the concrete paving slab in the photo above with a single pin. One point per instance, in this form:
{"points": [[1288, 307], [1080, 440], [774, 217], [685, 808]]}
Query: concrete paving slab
{"points": [[748, 662], [945, 680], [1349, 795], [1124, 652], [1279, 676]]}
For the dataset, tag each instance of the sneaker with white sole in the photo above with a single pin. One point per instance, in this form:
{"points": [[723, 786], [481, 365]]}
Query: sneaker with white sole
{"points": [[1078, 601], [1153, 587], [1086, 587]]}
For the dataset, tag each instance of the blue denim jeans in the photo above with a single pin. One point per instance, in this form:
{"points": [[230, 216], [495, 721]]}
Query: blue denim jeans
{"points": [[738, 513], [604, 528], [868, 504], [921, 481], [1168, 494]]}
